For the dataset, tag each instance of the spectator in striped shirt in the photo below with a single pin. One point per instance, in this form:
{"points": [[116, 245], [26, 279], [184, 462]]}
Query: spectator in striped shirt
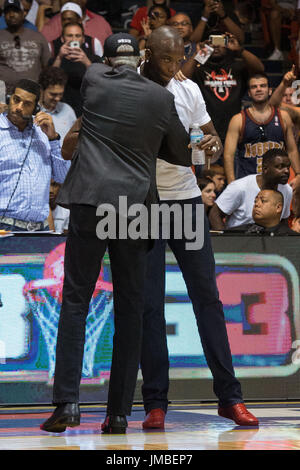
{"points": [[30, 156]]}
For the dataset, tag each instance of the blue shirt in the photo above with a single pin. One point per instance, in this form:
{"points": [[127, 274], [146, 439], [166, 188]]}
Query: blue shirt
{"points": [[41, 160]]}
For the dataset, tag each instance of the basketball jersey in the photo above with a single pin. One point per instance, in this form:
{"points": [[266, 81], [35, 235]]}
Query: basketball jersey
{"points": [[256, 138]]}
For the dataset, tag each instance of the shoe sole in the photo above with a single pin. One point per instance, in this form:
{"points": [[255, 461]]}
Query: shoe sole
{"points": [[114, 430], [254, 423], [154, 426]]}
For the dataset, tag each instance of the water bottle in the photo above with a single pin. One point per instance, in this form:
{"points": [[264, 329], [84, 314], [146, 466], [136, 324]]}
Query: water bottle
{"points": [[196, 135], [2, 92]]}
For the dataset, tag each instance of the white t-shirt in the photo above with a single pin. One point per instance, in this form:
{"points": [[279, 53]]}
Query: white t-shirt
{"points": [[174, 181], [237, 200], [61, 217]]}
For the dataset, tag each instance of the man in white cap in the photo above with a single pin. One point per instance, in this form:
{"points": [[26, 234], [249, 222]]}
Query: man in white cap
{"points": [[94, 25], [72, 13]]}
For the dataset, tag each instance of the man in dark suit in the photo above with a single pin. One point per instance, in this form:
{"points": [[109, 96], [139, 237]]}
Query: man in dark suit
{"points": [[127, 121]]}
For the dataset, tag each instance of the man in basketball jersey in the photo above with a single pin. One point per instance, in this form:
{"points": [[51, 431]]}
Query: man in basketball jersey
{"points": [[255, 130]]}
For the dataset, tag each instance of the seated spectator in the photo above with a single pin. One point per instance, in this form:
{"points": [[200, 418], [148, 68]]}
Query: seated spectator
{"points": [[266, 214], [214, 17], [182, 22], [27, 24], [72, 13], [23, 52], [94, 25], [280, 10], [255, 130], [157, 16], [217, 174], [53, 81], [32, 157], [136, 26], [234, 206], [295, 224], [74, 61], [223, 80], [59, 215], [208, 192]]}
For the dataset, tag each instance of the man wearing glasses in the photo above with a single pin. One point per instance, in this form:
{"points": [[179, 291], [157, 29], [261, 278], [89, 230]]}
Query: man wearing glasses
{"points": [[183, 24], [255, 130], [23, 52]]}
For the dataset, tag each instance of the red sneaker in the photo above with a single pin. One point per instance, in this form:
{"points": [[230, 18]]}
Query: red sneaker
{"points": [[239, 414], [155, 419]]}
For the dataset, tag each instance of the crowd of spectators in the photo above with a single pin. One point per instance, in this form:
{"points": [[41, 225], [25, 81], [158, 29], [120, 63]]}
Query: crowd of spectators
{"points": [[53, 42]]}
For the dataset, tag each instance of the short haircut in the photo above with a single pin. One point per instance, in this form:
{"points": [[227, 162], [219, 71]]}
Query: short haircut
{"points": [[30, 86], [73, 23], [162, 7], [271, 154], [203, 182], [213, 171], [51, 76], [258, 75], [278, 196], [183, 14]]}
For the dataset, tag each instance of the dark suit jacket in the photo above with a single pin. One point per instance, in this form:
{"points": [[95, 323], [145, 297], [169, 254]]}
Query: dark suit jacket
{"points": [[127, 122]]}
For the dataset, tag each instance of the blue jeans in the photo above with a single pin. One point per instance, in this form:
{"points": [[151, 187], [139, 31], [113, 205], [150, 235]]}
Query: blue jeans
{"points": [[198, 269]]}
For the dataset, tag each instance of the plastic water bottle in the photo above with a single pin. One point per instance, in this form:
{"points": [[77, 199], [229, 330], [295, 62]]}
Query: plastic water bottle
{"points": [[196, 135], [2, 92]]}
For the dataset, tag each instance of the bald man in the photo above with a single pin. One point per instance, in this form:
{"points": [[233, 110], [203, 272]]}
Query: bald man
{"points": [[164, 52], [266, 213]]}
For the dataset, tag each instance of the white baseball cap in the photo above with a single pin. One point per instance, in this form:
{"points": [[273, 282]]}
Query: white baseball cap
{"points": [[73, 7]]}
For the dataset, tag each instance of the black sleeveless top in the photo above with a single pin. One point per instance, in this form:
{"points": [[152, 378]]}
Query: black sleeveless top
{"points": [[256, 138]]}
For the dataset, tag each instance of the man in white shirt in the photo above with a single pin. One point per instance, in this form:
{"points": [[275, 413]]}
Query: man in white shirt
{"points": [[163, 56], [236, 202], [52, 81]]}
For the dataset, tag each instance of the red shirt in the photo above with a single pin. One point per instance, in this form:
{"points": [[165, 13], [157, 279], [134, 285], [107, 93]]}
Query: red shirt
{"points": [[140, 15], [94, 25]]}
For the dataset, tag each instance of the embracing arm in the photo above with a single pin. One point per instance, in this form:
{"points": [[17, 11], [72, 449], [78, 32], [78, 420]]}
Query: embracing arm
{"points": [[70, 140]]}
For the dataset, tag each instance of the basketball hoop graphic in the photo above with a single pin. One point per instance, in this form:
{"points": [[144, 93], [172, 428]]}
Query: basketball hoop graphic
{"points": [[44, 298]]}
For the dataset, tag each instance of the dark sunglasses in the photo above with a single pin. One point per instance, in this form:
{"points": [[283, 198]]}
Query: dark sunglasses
{"points": [[263, 136], [17, 42]]}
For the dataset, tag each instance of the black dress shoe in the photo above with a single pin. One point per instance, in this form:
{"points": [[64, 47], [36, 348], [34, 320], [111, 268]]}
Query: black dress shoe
{"points": [[114, 424], [65, 415]]}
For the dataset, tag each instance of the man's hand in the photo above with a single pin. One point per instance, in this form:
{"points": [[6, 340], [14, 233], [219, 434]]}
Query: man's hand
{"points": [[233, 44], [45, 122], [76, 54], [289, 77], [180, 76]]}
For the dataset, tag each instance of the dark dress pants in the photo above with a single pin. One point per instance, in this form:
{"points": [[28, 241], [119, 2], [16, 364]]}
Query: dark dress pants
{"points": [[83, 257], [198, 269]]}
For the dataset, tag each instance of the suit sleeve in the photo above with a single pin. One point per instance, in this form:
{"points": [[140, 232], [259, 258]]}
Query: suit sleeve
{"points": [[174, 147]]}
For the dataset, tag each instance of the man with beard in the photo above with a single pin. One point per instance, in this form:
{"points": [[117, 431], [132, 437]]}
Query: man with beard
{"points": [[223, 80], [257, 129], [23, 52], [163, 56]]}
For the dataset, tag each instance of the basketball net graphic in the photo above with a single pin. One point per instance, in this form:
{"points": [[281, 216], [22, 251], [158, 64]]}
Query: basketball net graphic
{"points": [[44, 297]]}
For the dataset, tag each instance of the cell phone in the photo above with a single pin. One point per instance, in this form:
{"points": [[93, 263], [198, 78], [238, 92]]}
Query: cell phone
{"points": [[74, 44], [218, 40], [203, 55]]}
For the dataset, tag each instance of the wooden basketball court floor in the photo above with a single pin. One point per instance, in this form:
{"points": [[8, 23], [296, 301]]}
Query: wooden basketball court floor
{"points": [[188, 427]]}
